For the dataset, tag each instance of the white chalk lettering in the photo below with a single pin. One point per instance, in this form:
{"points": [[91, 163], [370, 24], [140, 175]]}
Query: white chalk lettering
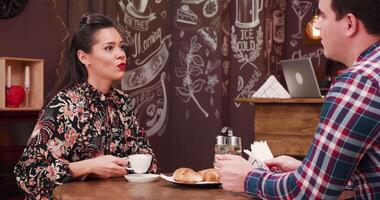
{"points": [[143, 45], [317, 54]]}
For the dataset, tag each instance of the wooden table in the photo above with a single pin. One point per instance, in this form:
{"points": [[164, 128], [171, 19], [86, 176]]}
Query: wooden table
{"points": [[287, 124], [119, 188]]}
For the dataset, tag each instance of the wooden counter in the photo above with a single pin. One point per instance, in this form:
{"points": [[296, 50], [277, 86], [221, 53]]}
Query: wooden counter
{"points": [[287, 124]]}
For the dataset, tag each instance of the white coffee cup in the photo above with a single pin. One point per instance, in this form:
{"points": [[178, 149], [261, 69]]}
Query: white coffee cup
{"points": [[140, 162]]}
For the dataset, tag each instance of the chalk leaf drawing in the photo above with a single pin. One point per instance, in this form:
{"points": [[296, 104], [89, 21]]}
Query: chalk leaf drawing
{"points": [[191, 67], [211, 66], [211, 82], [249, 57]]}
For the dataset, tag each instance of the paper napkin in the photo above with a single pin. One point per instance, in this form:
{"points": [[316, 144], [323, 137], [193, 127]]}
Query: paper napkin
{"points": [[271, 89], [258, 154]]}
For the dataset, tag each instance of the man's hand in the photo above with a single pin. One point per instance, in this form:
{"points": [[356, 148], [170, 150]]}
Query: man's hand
{"points": [[283, 164], [233, 171]]}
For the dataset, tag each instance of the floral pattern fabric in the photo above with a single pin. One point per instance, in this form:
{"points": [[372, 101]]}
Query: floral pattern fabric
{"points": [[78, 123]]}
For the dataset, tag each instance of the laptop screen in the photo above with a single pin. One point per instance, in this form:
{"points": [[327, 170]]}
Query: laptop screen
{"points": [[300, 78]]}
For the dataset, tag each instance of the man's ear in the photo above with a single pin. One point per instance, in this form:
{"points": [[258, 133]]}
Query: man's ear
{"points": [[352, 24], [83, 57]]}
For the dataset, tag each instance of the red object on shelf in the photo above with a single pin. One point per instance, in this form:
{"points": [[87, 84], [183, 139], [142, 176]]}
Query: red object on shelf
{"points": [[15, 96]]}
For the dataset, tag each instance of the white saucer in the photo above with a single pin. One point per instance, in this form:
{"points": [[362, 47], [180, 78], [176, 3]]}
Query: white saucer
{"points": [[141, 178]]}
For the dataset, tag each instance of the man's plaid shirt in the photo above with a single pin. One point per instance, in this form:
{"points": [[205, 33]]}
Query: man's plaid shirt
{"points": [[346, 144]]}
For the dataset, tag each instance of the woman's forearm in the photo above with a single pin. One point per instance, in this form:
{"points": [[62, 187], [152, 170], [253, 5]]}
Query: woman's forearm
{"points": [[80, 168]]}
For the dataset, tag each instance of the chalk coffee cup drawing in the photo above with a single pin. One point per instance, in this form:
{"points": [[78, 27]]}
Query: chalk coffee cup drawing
{"points": [[139, 5], [139, 162]]}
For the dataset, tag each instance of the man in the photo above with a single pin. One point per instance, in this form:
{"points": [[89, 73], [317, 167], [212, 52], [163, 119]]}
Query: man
{"points": [[346, 144]]}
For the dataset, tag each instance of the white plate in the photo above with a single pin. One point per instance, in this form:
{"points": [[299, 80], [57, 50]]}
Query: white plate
{"points": [[141, 178], [197, 184]]}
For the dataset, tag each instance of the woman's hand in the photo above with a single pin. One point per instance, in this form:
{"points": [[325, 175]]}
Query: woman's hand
{"points": [[101, 167], [283, 164], [108, 166]]}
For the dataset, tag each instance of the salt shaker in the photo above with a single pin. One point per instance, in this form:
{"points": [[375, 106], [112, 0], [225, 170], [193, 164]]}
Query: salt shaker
{"points": [[233, 142], [221, 145]]}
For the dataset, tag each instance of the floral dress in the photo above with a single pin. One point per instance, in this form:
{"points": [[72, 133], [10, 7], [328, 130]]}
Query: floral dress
{"points": [[78, 123]]}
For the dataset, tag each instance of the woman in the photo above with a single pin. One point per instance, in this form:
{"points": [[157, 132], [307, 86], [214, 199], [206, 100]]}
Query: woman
{"points": [[87, 128]]}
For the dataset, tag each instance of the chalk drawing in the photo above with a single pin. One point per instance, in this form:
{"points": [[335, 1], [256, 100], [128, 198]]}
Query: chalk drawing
{"points": [[217, 114], [191, 66], [279, 26], [225, 46], [186, 15], [212, 101], [225, 87], [136, 14], [209, 37], [300, 8], [211, 66], [226, 67], [293, 43], [212, 80], [249, 89], [247, 13], [192, 1], [268, 43], [210, 8], [316, 54], [155, 102], [145, 83], [281, 4], [246, 49]]}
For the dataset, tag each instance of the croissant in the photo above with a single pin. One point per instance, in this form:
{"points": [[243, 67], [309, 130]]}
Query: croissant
{"points": [[186, 175], [211, 175]]}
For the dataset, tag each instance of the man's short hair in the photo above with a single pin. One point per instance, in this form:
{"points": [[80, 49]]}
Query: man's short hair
{"points": [[367, 11]]}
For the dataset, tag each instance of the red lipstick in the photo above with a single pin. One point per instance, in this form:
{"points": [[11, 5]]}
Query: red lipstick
{"points": [[122, 66]]}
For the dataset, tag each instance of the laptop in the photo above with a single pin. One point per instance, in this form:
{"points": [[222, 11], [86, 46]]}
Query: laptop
{"points": [[300, 78]]}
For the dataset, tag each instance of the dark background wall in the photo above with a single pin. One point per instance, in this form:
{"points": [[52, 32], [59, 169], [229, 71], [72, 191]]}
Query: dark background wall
{"points": [[38, 32], [182, 111]]}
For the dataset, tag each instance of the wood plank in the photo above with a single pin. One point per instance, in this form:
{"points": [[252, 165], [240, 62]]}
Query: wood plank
{"points": [[287, 119], [293, 145], [278, 100], [288, 125]]}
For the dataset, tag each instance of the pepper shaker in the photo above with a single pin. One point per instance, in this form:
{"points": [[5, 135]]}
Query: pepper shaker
{"points": [[221, 145], [234, 145]]}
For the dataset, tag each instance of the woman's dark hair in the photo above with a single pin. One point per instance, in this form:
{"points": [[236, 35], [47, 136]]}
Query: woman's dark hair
{"points": [[368, 11], [83, 39]]}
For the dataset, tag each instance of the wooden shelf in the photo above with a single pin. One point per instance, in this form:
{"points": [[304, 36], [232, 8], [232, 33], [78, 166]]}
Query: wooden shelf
{"points": [[278, 100], [287, 124], [18, 75], [21, 109]]}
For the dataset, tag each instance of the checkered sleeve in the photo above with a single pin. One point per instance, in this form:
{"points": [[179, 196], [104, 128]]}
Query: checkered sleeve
{"points": [[348, 127]]}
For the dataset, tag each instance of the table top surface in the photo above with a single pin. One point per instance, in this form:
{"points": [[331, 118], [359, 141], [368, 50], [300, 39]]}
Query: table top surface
{"points": [[120, 188]]}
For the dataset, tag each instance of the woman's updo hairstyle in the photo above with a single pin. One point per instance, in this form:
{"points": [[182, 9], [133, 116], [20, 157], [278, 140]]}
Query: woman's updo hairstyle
{"points": [[83, 39]]}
